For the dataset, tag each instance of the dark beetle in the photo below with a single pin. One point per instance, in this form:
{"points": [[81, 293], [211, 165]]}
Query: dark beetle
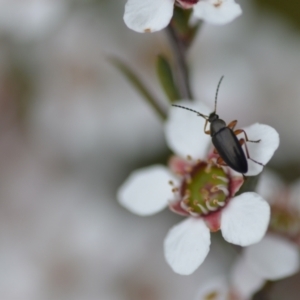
{"points": [[227, 145]]}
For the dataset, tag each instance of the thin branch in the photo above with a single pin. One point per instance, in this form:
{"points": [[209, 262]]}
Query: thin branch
{"points": [[179, 51]]}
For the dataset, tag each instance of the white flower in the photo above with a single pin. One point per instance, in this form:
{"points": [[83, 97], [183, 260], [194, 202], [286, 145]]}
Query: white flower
{"points": [[154, 15], [242, 219], [241, 283], [270, 259], [285, 205], [276, 256], [273, 258]]}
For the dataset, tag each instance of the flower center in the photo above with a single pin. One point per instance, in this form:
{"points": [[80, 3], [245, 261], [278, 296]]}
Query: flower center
{"points": [[187, 4], [205, 189], [189, 1]]}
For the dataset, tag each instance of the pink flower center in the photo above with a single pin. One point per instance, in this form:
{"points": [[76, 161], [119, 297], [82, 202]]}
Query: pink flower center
{"points": [[204, 189], [187, 4]]}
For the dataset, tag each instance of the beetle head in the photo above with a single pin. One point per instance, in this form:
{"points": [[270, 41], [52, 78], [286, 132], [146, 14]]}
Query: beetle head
{"points": [[212, 117]]}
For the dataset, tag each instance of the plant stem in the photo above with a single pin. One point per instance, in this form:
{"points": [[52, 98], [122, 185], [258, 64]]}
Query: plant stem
{"points": [[179, 50]]}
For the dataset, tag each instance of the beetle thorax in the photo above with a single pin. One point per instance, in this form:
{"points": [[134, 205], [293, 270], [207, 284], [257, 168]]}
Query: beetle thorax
{"points": [[216, 126]]}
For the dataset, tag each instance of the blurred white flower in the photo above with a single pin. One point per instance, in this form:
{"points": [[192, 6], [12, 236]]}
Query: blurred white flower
{"points": [[285, 205], [243, 219], [241, 282], [154, 15], [272, 258]]}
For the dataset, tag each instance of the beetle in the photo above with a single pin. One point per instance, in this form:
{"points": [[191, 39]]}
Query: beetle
{"points": [[224, 138]]}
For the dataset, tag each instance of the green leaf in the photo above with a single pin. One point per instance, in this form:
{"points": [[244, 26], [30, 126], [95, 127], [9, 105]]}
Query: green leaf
{"points": [[139, 86], [165, 76]]}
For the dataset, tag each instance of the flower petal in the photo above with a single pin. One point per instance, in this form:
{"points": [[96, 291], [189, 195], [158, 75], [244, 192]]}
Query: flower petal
{"points": [[273, 257], [184, 130], [262, 151], [187, 245], [245, 219], [217, 12], [146, 191], [244, 281], [148, 15]]}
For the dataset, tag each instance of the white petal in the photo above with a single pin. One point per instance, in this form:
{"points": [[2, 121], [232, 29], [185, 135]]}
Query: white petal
{"points": [[245, 219], [217, 12], [270, 186], [244, 281], [184, 130], [187, 245], [146, 191], [262, 151], [148, 15], [273, 257]]}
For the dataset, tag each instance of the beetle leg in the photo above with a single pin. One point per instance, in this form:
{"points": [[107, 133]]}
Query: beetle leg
{"points": [[238, 131], [220, 161], [243, 142], [206, 131], [232, 124]]}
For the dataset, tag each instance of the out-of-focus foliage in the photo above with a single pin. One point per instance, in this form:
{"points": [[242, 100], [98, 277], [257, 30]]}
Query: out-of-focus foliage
{"points": [[290, 9]]}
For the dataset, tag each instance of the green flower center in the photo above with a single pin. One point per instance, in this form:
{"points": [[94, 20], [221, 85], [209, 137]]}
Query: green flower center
{"points": [[205, 189]]}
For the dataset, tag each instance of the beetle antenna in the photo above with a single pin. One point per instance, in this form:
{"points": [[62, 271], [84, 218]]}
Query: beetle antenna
{"points": [[217, 91], [199, 114]]}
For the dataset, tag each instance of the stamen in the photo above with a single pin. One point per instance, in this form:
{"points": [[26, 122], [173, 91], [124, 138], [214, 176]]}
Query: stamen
{"points": [[184, 206], [208, 169], [204, 192], [187, 193], [174, 190], [194, 214], [205, 211], [188, 169], [186, 200], [189, 157], [171, 183], [190, 209], [211, 208], [223, 189], [220, 203], [189, 180], [214, 189], [224, 179]]}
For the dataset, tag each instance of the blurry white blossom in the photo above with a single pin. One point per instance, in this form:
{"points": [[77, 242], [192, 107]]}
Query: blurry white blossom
{"points": [[154, 15]]}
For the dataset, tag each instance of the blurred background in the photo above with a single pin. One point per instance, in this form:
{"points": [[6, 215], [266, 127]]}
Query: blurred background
{"points": [[72, 129]]}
